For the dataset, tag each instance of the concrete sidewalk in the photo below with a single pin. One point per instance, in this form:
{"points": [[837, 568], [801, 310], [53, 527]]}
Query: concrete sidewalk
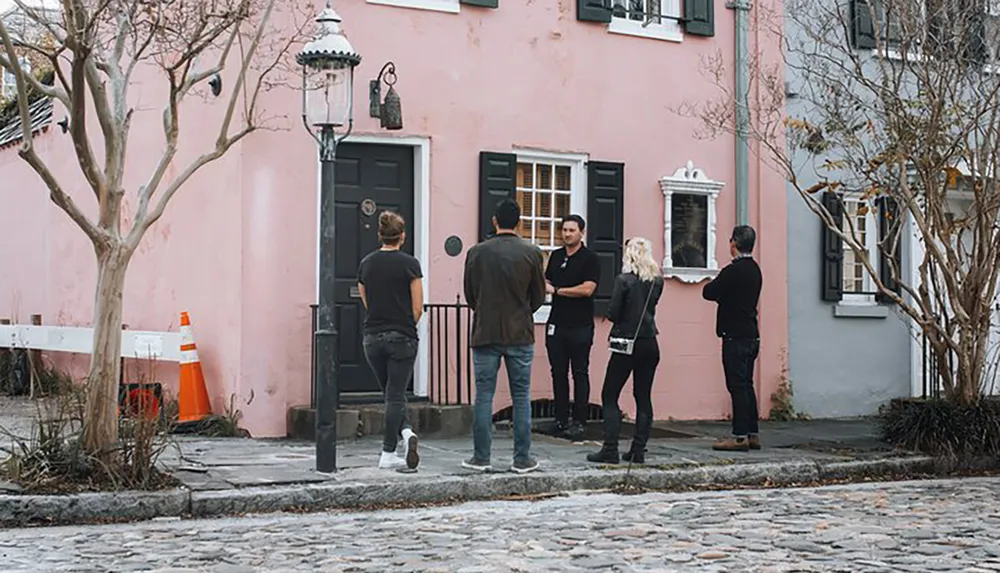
{"points": [[226, 463], [226, 476]]}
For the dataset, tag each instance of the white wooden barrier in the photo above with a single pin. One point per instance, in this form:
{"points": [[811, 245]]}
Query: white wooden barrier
{"points": [[162, 346]]}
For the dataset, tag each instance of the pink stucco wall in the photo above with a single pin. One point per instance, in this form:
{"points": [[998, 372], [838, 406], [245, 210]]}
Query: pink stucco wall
{"points": [[237, 248]]}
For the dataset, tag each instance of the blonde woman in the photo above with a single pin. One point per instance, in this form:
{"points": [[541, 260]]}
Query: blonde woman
{"points": [[634, 350]]}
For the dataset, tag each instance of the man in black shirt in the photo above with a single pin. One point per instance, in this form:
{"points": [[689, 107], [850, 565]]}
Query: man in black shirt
{"points": [[571, 277], [737, 291]]}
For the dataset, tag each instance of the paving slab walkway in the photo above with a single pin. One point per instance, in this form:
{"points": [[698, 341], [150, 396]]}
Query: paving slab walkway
{"points": [[225, 476], [223, 463]]}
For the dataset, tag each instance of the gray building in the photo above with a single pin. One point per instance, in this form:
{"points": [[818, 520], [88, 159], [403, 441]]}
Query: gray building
{"points": [[849, 350]]}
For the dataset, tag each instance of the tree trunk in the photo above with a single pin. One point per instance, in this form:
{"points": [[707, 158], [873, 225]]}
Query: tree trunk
{"points": [[100, 429]]}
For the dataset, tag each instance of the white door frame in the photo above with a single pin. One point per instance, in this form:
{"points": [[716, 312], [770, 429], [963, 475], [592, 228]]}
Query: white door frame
{"points": [[421, 232]]}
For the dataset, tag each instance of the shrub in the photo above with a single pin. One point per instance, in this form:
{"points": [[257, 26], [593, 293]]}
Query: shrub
{"points": [[943, 428]]}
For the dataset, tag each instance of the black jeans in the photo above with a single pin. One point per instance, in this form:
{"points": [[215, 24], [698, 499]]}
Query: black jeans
{"points": [[738, 357], [391, 356], [569, 348], [641, 364]]}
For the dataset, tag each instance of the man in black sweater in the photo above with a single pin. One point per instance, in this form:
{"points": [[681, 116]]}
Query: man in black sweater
{"points": [[737, 290]]}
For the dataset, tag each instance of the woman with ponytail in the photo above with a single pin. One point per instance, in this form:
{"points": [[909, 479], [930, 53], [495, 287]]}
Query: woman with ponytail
{"points": [[390, 284], [634, 350]]}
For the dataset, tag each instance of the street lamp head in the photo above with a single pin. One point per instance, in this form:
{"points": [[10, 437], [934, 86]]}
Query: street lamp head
{"points": [[328, 64]]}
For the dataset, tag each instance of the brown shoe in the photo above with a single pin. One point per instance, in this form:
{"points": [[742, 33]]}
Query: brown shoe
{"points": [[754, 441], [732, 444]]}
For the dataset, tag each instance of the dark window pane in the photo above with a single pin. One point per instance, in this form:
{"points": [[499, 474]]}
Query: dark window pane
{"points": [[689, 230]]}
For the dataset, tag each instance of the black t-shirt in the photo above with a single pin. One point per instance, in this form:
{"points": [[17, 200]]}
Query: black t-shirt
{"points": [[571, 271], [386, 276]]}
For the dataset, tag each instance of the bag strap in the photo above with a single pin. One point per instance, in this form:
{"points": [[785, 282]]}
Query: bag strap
{"points": [[649, 295]]}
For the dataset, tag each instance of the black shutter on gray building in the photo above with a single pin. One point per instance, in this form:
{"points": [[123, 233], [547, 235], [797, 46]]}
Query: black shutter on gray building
{"points": [[862, 26], [606, 224], [976, 50], [699, 17], [593, 10], [832, 250], [497, 181], [889, 248], [483, 3]]}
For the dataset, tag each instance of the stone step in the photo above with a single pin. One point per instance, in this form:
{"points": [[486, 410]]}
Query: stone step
{"points": [[431, 420]]}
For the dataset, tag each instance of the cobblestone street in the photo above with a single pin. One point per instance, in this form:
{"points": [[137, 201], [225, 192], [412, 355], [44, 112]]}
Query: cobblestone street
{"points": [[945, 525]]}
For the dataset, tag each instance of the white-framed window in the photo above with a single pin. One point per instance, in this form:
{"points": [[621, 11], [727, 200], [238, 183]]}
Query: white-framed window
{"points": [[8, 83], [689, 225], [859, 288], [657, 19], [449, 6], [550, 187]]}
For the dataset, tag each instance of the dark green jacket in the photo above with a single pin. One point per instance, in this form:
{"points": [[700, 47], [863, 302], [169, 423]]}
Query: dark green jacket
{"points": [[504, 285]]}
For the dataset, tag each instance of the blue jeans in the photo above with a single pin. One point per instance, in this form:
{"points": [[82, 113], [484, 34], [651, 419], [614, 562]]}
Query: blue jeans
{"points": [[487, 363]]}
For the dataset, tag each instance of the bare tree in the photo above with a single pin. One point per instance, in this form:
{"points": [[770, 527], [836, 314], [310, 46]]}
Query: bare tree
{"points": [[896, 103], [97, 50]]}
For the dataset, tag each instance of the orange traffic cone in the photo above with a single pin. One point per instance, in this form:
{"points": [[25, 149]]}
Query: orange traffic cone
{"points": [[194, 404]]}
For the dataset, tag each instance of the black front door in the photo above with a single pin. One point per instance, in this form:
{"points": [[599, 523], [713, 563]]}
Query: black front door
{"points": [[370, 179]]}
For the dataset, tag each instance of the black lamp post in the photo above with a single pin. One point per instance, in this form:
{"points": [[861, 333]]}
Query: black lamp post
{"points": [[328, 64]]}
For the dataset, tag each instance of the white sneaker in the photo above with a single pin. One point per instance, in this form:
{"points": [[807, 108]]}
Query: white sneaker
{"points": [[390, 461], [410, 454]]}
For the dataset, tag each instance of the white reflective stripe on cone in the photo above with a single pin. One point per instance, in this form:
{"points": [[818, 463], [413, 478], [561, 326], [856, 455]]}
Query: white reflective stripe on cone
{"points": [[189, 356]]}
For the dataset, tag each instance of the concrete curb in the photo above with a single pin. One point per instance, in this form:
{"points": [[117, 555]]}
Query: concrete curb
{"points": [[26, 510]]}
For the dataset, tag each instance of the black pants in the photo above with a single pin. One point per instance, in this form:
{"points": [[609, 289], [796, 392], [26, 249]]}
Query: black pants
{"points": [[391, 356], [569, 348], [641, 365], [738, 358]]}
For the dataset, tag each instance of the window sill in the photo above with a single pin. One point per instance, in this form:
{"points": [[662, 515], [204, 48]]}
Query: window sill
{"points": [[668, 31], [449, 6], [860, 310], [690, 276]]}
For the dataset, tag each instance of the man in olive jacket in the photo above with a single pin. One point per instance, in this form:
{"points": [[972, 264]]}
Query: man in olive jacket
{"points": [[504, 286]]}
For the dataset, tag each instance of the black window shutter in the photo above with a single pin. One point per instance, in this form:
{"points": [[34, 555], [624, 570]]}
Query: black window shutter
{"points": [[976, 51], [606, 224], [888, 233], [699, 17], [863, 28], [593, 10], [833, 250], [497, 181], [483, 3]]}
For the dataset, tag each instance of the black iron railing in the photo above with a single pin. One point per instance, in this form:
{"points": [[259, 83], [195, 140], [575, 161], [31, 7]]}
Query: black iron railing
{"points": [[930, 374], [450, 369]]}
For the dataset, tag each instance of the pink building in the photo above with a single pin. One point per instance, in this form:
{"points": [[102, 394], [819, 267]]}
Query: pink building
{"points": [[546, 102]]}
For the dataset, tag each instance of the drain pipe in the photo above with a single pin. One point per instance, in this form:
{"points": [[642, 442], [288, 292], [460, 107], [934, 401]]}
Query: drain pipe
{"points": [[742, 9]]}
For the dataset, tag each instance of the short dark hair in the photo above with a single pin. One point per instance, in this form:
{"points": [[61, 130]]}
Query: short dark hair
{"points": [[744, 237], [576, 219], [508, 214]]}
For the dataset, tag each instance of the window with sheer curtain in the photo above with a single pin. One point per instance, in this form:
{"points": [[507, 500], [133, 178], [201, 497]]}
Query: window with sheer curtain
{"points": [[858, 284]]}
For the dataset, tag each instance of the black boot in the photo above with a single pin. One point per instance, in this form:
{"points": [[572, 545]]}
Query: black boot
{"points": [[643, 427], [607, 455], [636, 455]]}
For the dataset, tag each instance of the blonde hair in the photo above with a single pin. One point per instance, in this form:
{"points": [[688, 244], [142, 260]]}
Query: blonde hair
{"points": [[390, 227], [638, 259]]}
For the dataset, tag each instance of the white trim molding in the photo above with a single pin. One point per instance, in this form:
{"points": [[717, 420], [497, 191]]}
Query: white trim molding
{"points": [[667, 29], [577, 199], [449, 6], [421, 146], [689, 180]]}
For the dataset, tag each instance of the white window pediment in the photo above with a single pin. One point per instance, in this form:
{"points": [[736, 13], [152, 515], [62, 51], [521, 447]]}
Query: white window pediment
{"points": [[689, 224]]}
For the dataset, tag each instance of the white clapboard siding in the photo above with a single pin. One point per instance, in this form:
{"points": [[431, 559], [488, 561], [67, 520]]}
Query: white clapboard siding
{"points": [[165, 346]]}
